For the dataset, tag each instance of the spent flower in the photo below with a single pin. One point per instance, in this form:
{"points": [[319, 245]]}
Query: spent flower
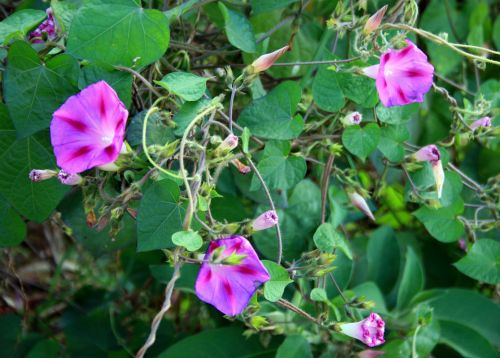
{"points": [[47, 29], [370, 331], [484, 122], [265, 220], [352, 118], [69, 179], [37, 175]]}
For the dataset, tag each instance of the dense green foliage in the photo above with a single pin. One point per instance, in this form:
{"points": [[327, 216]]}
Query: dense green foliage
{"points": [[85, 269]]}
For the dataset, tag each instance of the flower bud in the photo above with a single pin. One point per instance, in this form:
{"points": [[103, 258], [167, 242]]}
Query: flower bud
{"points": [[69, 179], [429, 153], [265, 221], [374, 21], [242, 168], [360, 202], [265, 61], [484, 122], [352, 118], [370, 331], [228, 144], [437, 170], [37, 175], [368, 353]]}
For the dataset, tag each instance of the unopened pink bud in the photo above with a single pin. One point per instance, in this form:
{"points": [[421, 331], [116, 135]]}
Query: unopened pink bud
{"points": [[37, 175], [374, 21], [370, 331], [228, 144], [368, 353], [69, 179], [242, 168], [429, 153], [437, 170], [360, 202], [352, 118], [484, 122], [265, 221], [265, 61]]}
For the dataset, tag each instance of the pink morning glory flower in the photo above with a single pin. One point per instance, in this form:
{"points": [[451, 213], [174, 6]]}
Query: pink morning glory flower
{"points": [[230, 274], [88, 129], [47, 27], [484, 122], [403, 76], [265, 220], [370, 331], [429, 153]]}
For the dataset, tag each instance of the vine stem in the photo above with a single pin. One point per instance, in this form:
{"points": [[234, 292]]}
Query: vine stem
{"points": [[288, 305], [271, 203], [324, 186], [319, 62], [167, 302]]}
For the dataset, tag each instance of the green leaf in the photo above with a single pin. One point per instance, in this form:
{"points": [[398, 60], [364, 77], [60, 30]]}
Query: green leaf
{"points": [[361, 141], [294, 346], [157, 132], [304, 204], [186, 114], [179, 10], [238, 30], [160, 216], [17, 158], [19, 23], [33, 90], [396, 114], [278, 169], [391, 139], [186, 85], [326, 90], [272, 116], [383, 252], [496, 32], [64, 12], [120, 81], [260, 6], [118, 32], [327, 239], [274, 288], [44, 348], [441, 223], [319, 294], [360, 89], [191, 240], [482, 262], [412, 281], [466, 341], [213, 343], [245, 139], [468, 308], [12, 227]]}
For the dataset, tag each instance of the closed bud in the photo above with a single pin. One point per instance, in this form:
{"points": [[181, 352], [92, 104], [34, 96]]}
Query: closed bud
{"points": [[374, 21], [265, 61], [359, 202], [227, 145], [69, 179], [437, 170], [37, 175], [265, 221], [352, 118], [484, 122]]}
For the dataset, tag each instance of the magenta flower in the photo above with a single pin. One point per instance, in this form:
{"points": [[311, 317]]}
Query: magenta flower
{"points": [[69, 179], [230, 274], [37, 175], [403, 76], [429, 153], [265, 220], [370, 331], [47, 28], [484, 122], [88, 129]]}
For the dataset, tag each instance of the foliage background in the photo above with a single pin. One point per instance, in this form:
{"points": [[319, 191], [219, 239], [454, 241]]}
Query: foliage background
{"points": [[68, 289]]}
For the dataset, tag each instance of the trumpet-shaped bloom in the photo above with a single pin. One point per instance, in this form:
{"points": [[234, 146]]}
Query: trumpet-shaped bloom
{"points": [[403, 76], [230, 274], [47, 27], [265, 220], [370, 331], [88, 129]]}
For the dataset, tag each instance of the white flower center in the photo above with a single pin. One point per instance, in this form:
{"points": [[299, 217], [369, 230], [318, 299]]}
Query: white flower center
{"points": [[106, 140]]}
